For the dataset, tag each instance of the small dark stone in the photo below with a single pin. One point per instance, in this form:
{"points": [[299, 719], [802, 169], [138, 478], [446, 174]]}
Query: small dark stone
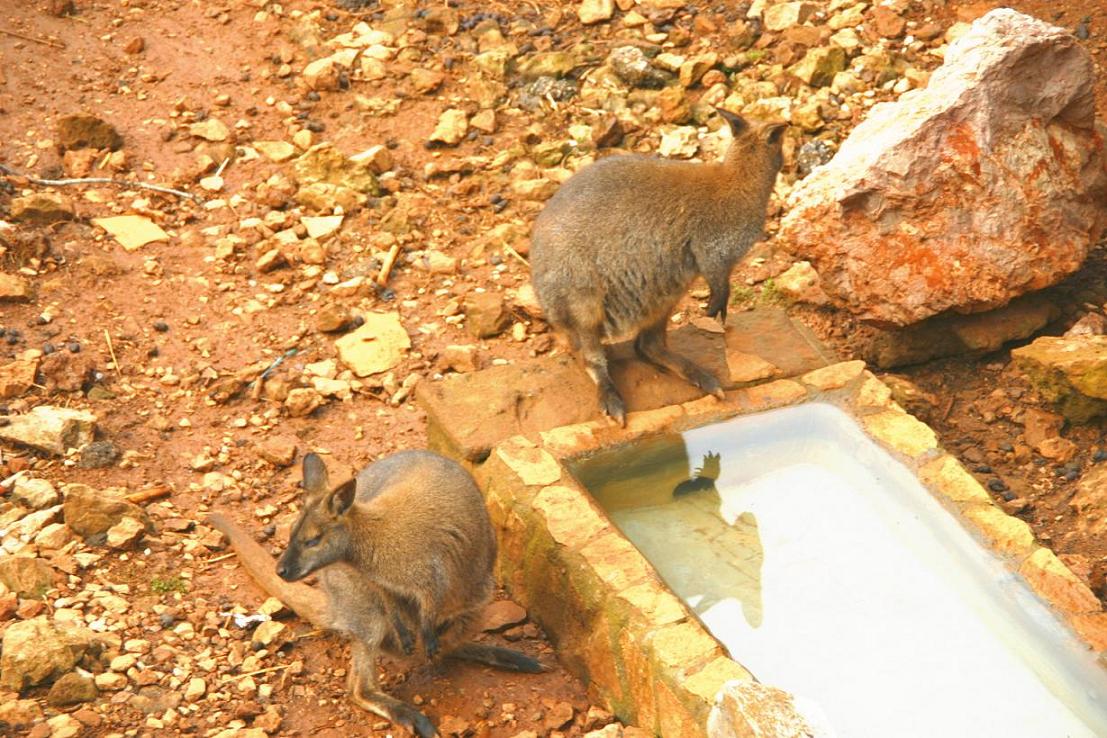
{"points": [[167, 619], [161, 326], [1099, 455], [152, 351], [358, 321], [74, 347], [48, 348], [269, 531], [1006, 446], [98, 455], [982, 469], [1072, 475], [316, 126], [996, 484], [313, 96]]}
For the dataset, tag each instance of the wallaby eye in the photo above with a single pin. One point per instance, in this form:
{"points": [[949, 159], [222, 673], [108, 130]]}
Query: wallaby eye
{"points": [[313, 542]]}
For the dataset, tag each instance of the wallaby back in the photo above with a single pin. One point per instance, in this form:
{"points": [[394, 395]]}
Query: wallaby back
{"points": [[626, 235], [619, 243]]}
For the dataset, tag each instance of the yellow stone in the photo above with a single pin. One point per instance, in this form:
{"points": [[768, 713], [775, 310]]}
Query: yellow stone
{"points": [[1051, 579], [654, 603], [132, 231], [834, 376], [568, 439], [570, 518], [652, 420], [945, 476], [707, 682], [745, 367], [1005, 534], [615, 561], [874, 393], [901, 432], [684, 646], [534, 466], [774, 394]]}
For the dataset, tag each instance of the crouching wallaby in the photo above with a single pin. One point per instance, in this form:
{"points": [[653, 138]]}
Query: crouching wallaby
{"points": [[404, 551], [619, 243]]}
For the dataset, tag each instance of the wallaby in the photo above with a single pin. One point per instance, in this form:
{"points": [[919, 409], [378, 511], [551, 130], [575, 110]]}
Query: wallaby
{"points": [[404, 548], [619, 243]]}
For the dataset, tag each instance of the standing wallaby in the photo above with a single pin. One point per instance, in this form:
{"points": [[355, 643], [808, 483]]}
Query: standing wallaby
{"points": [[404, 548], [619, 243]]}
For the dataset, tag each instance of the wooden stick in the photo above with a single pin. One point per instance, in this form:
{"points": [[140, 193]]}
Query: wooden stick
{"points": [[512, 252], [149, 494], [43, 41], [235, 677], [224, 557], [389, 262], [111, 350], [98, 180]]}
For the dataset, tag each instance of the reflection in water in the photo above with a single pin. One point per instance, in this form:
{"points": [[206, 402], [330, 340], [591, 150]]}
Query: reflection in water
{"points": [[703, 479], [871, 601], [657, 480]]}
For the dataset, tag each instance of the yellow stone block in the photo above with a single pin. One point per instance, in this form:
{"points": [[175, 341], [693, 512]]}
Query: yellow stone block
{"points": [[707, 682], [657, 605], [901, 432], [834, 376], [646, 421], [1005, 534], [570, 518], [1053, 581], [945, 476], [874, 393], [615, 561], [568, 439], [683, 647], [773, 394], [534, 466]]}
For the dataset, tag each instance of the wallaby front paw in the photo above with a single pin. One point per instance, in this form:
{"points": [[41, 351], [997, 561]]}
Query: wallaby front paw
{"points": [[707, 383], [430, 643], [613, 406]]}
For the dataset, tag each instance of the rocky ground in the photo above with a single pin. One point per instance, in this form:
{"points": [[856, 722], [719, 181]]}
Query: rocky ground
{"points": [[222, 330]]}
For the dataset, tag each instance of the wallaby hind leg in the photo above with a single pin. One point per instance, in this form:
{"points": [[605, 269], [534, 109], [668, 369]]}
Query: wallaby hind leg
{"points": [[365, 693], [590, 348], [652, 347], [459, 628]]}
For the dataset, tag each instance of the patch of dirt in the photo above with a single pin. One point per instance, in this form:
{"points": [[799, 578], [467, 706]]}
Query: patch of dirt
{"points": [[163, 328]]}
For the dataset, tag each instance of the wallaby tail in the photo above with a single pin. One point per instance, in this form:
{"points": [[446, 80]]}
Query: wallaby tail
{"points": [[307, 602], [501, 658]]}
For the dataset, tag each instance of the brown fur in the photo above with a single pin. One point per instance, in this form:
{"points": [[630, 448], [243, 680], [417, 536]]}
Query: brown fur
{"points": [[619, 243], [405, 550]]}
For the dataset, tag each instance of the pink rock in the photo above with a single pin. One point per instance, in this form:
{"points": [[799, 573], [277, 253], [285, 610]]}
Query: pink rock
{"points": [[987, 184]]}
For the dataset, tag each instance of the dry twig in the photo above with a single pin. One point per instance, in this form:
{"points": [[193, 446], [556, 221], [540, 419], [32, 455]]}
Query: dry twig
{"points": [[43, 41], [386, 267], [98, 180]]}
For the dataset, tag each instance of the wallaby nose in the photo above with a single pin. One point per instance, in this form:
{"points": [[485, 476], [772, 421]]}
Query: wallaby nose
{"points": [[282, 571]]}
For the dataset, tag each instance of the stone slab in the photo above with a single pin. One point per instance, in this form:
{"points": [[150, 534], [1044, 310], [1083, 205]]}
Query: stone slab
{"points": [[467, 414]]}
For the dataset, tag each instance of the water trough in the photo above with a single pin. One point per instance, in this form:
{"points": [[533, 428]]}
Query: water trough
{"points": [[830, 571]]}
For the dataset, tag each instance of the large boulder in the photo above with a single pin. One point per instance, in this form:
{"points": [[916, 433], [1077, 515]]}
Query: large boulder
{"points": [[91, 514], [37, 651], [987, 184]]}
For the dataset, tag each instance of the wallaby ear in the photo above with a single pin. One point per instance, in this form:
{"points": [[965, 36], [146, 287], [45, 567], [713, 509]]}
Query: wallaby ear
{"points": [[773, 132], [341, 497], [737, 123], [315, 475]]}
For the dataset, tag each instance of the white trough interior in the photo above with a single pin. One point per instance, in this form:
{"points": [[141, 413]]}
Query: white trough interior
{"points": [[826, 569]]}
